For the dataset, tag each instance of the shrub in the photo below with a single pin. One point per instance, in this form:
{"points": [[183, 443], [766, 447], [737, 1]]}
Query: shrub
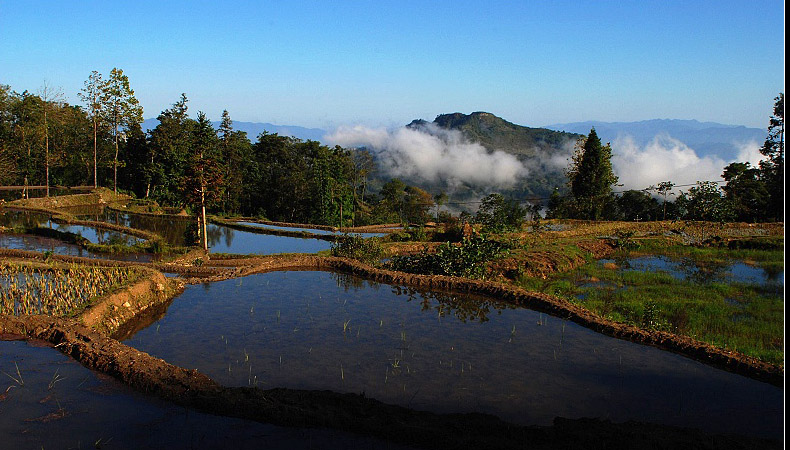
{"points": [[465, 260], [356, 247]]}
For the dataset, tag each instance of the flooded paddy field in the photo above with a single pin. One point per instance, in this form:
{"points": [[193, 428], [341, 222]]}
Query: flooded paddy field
{"points": [[171, 228], [222, 239], [311, 230], [49, 401], [444, 353], [44, 244], [688, 269]]}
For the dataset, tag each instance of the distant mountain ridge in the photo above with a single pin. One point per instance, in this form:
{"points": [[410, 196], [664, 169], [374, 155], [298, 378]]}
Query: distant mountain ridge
{"points": [[254, 129], [707, 138]]}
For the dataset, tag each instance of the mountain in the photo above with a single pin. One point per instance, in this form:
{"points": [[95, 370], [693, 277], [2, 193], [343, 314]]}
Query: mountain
{"points": [[542, 152], [253, 129], [496, 133], [707, 138]]}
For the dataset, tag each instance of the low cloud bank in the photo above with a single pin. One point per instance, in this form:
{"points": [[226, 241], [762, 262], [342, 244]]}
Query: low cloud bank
{"points": [[668, 159], [434, 154]]}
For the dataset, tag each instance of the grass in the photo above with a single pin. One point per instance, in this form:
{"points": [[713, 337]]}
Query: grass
{"points": [[744, 317]]}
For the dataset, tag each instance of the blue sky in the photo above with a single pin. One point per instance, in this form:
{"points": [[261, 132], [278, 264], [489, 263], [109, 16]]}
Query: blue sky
{"points": [[384, 63]]}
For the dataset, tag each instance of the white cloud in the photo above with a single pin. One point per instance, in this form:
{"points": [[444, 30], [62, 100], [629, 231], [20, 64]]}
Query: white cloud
{"points": [[662, 159], [434, 154]]}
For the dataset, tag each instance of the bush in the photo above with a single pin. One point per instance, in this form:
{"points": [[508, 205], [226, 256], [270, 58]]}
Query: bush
{"points": [[356, 247], [466, 260]]}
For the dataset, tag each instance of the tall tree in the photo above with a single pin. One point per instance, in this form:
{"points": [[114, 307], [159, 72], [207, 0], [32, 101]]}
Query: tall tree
{"points": [[773, 168], [123, 109], [51, 99], [663, 188], [202, 185], [94, 94], [235, 155], [169, 153], [8, 167], [591, 177]]}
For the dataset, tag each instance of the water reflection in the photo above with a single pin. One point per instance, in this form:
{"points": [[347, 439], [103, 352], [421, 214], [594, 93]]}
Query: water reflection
{"points": [[44, 244], [704, 272], [61, 404], [317, 330]]}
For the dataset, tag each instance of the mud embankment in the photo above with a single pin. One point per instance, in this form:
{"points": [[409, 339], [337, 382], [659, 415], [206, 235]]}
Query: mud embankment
{"points": [[118, 308]]}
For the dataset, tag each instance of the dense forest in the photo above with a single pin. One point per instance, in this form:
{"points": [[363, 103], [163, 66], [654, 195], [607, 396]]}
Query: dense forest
{"points": [[186, 162]]}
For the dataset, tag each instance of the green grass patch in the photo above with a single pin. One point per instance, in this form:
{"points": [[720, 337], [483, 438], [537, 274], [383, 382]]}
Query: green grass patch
{"points": [[745, 317]]}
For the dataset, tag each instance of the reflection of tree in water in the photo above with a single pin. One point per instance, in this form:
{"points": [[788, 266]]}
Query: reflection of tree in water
{"points": [[464, 307], [703, 272], [22, 219], [350, 282], [772, 272], [215, 234]]}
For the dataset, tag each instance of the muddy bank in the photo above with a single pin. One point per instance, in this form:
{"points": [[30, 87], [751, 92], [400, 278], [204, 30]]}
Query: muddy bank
{"points": [[116, 309], [275, 232], [348, 412], [96, 197]]}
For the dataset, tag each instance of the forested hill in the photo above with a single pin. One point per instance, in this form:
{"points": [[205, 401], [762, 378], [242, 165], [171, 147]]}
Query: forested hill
{"points": [[496, 133]]}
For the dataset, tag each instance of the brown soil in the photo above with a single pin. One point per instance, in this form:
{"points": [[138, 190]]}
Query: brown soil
{"points": [[123, 306], [348, 412]]}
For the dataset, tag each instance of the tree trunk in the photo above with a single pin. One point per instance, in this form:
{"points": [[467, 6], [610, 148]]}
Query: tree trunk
{"points": [[95, 126], [46, 145], [203, 216]]}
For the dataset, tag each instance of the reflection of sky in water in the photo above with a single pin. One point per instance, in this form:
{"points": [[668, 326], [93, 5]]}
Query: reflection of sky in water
{"points": [[308, 230], [687, 269], [227, 240], [100, 410], [42, 244], [318, 330]]}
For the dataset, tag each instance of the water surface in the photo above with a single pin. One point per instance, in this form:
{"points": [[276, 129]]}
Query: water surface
{"points": [[444, 353], [60, 404]]}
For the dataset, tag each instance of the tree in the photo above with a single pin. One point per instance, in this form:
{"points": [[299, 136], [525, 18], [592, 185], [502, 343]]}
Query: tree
{"points": [[202, 185], [772, 169], [417, 204], [94, 94], [747, 194], [8, 167], [51, 99], [235, 153], [663, 188], [704, 202], [638, 205], [591, 177], [169, 153], [122, 110], [498, 214], [440, 199]]}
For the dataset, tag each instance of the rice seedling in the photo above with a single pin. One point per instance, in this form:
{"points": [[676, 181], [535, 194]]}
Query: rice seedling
{"points": [[56, 290], [18, 379]]}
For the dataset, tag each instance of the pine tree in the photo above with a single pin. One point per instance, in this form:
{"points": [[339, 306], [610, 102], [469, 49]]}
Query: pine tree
{"points": [[591, 177]]}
